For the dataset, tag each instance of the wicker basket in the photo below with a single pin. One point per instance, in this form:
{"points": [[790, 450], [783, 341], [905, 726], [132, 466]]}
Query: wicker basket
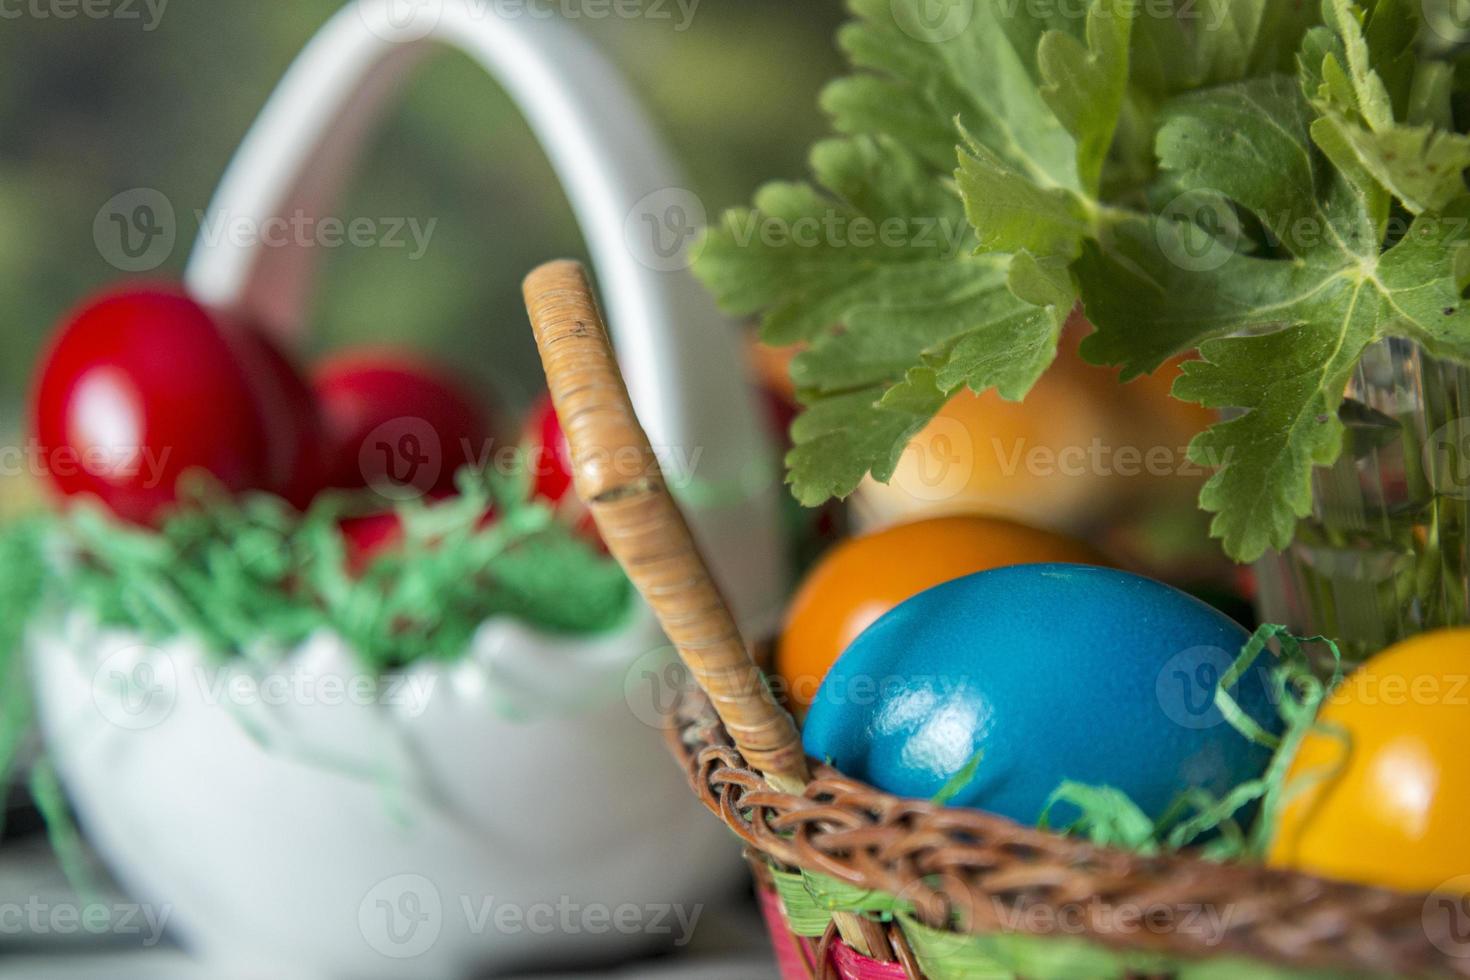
{"points": [[962, 872]]}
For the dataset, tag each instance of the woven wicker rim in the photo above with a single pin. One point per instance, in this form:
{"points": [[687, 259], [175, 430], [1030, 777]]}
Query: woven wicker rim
{"points": [[976, 872], [962, 870]]}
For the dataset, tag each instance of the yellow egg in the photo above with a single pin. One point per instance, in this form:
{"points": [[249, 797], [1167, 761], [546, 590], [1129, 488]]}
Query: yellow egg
{"points": [[1391, 804], [1082, 454], [1045, 461]]}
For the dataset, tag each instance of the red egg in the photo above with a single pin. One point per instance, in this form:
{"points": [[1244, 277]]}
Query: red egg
{"points": [[369, 536], [142, 384], [292, 423], [548, 453], [396, 424]]}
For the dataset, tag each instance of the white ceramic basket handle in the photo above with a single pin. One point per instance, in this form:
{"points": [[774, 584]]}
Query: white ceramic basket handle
{"points": [[680, 356]]}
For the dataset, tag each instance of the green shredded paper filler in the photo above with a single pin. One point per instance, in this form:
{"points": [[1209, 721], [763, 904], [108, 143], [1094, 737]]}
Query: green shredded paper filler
{"points": [[245, 574]]}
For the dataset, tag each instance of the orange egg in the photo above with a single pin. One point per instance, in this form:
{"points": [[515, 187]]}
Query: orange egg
{"points": [[862, 578]]}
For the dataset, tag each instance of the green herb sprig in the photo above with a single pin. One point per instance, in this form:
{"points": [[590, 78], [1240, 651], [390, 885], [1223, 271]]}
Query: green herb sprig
{"points": [[1275, 186]]}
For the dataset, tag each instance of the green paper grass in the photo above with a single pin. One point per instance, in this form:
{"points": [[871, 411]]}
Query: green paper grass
{"points": [[1197, 818], [249, 577]]}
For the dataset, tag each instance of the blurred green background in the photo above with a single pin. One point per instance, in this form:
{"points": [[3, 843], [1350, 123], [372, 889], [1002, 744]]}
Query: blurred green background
{"points": [[93, 107]]}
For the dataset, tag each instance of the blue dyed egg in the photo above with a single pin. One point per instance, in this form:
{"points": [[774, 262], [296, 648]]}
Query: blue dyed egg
{"points": [[1059, 673]]}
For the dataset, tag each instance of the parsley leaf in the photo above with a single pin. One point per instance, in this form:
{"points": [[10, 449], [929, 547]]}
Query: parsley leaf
{"points": [[1359, 72], [873, 270], [896, 323], [1275, 185], [1279, 338]]}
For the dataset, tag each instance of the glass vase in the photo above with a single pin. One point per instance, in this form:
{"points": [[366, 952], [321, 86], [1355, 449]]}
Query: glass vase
{"points": [[1385, 552]]}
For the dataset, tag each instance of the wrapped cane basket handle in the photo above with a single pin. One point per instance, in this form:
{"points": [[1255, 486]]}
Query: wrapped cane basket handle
{"points": [[618, 475]]}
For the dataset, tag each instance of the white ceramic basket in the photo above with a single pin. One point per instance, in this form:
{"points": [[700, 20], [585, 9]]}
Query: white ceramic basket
{"points": [[316, 827]]}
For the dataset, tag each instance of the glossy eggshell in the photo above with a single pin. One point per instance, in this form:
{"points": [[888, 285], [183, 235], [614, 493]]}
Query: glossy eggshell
{"points": [[1058, 672], [982, 454], [140, 385], [290, 418], [550, 455], [1385, 787], [395, 420], [1083, 452], [861, 578]]}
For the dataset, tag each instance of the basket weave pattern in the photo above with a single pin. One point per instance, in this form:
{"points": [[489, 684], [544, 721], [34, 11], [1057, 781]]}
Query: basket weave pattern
{"points": [[984, 873]]}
